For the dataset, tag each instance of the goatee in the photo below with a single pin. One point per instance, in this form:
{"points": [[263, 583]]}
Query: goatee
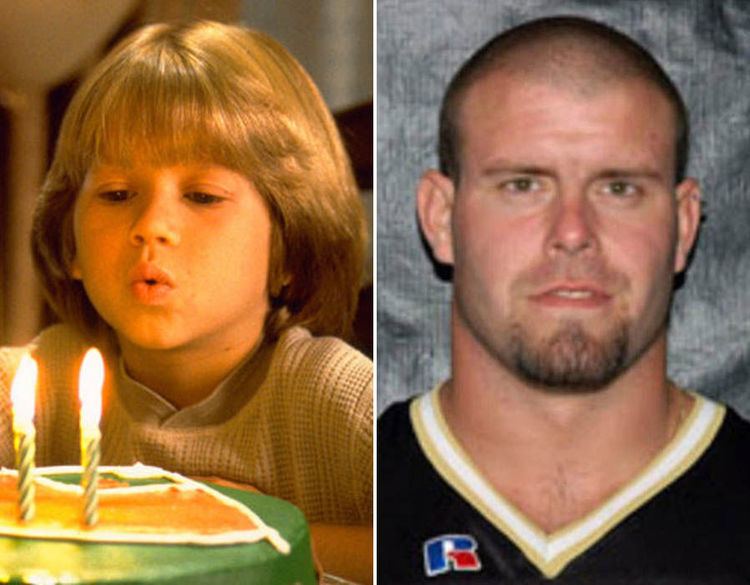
{"points": [[570, 360]]}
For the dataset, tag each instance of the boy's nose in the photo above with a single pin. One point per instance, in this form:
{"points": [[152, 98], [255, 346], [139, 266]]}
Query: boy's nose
{"points": [[154, 225]]}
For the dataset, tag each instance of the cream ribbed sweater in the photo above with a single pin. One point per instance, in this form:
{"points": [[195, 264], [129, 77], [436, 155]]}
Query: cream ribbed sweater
{"points": [[304, 435]]}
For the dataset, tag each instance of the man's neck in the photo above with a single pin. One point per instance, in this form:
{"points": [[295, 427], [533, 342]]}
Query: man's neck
{"points": [[558, 456]]}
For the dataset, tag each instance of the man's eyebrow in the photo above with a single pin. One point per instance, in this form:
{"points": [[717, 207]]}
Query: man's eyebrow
{"points": [[630, 173], [623, 172], [509, 167]]}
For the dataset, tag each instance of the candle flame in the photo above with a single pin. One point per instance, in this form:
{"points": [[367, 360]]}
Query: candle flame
{"points": [[91, 379], [23, 392]]}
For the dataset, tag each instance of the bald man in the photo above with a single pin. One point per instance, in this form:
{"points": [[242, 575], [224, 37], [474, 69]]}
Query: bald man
{"points": [[558, 449]]}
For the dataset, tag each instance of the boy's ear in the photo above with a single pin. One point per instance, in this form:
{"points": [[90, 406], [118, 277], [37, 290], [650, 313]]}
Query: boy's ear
{"points": [[277, 284], [688, 196], [74, 269], [435, 195]]}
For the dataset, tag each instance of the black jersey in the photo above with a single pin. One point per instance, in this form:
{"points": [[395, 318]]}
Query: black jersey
{"points": [[684, 519]]}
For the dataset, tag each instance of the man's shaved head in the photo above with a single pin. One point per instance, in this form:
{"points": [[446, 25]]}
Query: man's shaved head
{"points": [[573, 53]]}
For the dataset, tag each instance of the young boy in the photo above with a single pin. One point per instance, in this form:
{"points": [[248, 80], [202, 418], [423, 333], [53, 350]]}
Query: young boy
{"points": [[200, 224]]}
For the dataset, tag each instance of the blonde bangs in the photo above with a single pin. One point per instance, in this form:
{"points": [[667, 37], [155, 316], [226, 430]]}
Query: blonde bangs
{"points": [[166, 108], [140, 117]]}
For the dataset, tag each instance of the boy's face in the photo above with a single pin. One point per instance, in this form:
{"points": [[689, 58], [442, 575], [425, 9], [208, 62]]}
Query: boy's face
{"points": [[174, 257]]}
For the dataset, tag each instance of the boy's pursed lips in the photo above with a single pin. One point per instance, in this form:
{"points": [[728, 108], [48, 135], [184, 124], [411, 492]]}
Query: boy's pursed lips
{"points": [[150, 274], [150, 284]]}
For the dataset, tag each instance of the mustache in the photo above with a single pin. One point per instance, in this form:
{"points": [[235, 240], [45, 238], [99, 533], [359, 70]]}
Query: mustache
{"points": [[572, 270]]}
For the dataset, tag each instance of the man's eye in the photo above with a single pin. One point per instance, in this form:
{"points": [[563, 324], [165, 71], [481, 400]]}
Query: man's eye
{"points": [[116, 196], [202, 198], [520, 185], [621, 189]]}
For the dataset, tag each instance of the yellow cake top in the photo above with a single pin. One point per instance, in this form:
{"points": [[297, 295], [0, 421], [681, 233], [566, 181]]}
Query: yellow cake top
{"points": [[167, 509]]}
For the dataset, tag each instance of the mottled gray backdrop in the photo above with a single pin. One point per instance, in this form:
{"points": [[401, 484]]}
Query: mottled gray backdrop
{"points": [[704, 46]]}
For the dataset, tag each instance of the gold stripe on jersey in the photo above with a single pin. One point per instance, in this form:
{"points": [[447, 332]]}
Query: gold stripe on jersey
{"points": [[551, 553]]}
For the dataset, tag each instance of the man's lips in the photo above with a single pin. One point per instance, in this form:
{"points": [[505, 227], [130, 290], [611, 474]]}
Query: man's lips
{"points": [[576, 295]]}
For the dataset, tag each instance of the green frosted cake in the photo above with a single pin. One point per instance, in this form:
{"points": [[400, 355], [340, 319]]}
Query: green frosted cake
{"points": [[154, 527]]}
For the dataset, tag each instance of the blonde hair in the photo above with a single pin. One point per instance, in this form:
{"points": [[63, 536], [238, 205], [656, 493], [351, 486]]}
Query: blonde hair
{"points": [[228, 95]]}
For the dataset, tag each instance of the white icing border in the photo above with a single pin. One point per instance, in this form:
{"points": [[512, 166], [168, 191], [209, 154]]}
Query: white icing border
{"points": [[139, 471]]}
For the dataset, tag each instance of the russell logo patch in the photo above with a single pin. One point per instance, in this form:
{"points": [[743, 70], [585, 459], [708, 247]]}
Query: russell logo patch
{"points": [[450, 552]]}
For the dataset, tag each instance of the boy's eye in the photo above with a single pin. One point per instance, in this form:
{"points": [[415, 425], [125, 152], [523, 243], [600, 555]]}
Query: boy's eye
{"points": [[203, 198], [116, 196]]}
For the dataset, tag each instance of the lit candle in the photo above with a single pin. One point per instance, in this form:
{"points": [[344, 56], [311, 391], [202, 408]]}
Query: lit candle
{"points": [[22, 394], [91, 379]]}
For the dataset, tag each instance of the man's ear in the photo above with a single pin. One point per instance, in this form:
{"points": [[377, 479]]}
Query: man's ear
{"points": [[435, 195], [688, 196]]}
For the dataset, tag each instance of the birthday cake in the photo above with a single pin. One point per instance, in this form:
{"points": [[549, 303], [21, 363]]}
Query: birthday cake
{"points": [[153, 527]]}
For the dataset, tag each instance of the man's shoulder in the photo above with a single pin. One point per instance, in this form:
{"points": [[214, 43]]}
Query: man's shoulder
{"points": [[398, 450], [732, 443], [394, 420], [716, 486], [736, 423], [415, 504]]}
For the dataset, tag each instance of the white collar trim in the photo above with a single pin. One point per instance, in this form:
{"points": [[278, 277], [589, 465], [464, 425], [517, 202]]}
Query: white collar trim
{"points": [[552, 552]]}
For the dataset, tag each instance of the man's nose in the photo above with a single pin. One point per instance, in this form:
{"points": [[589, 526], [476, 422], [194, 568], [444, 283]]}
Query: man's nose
{"points": [[572, 229]]}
